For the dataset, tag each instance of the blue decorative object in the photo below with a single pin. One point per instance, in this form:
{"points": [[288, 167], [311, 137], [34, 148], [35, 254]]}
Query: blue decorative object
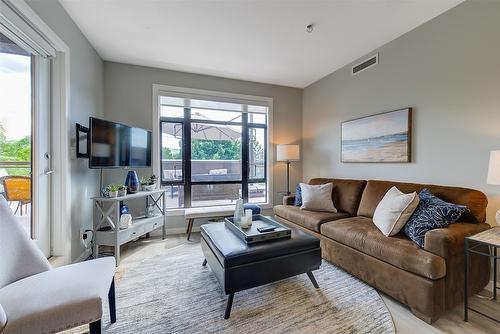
{"points": [[132, 182], [254, 207], [431, 213], [298, 196], [123, 209]]}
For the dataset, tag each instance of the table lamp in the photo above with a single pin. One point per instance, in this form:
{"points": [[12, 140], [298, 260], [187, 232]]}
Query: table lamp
{"points": [[288, 153], [494, 174]]}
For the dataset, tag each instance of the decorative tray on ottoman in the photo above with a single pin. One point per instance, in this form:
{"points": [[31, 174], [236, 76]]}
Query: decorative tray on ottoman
{"points": [[251, 235]]}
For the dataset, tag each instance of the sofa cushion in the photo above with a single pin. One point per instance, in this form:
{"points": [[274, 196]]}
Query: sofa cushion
{"points": [[346, 193], [298, 196], [58, 299], [317, 197], [361, 234], [311, 220], [430, 214], [394, 210], [475, 200]]}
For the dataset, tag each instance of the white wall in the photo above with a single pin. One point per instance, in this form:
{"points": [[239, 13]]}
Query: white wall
{"points": [[128, 99], [448, 70], [86, 99]]}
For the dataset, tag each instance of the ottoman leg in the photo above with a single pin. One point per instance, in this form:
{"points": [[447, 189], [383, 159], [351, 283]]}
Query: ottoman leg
{"points": [[229, 305], [313, 280], [204, 262]]}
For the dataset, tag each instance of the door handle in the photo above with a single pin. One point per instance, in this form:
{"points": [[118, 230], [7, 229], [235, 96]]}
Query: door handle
{"points": [[48, 171]]}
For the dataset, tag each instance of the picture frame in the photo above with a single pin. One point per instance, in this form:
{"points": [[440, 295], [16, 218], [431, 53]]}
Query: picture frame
{"points": [[380, 138]]}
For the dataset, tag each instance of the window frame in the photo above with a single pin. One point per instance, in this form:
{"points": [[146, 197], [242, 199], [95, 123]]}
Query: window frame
{"points": [[162, 90]]}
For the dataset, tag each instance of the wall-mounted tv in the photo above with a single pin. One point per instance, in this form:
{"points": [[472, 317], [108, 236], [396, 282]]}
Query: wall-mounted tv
{"points": [[114, 145]]}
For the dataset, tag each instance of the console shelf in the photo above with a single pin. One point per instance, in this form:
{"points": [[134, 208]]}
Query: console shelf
{"points": [[107, 214]]}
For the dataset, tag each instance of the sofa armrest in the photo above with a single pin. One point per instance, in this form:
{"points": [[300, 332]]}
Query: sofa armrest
{"points": [[449, 241], [289, 200]]}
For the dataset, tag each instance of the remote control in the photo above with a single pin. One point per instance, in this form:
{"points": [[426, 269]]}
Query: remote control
{"points": [[266, 229]]}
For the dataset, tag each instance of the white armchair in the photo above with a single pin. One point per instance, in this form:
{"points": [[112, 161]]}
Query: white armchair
{"points": [[35, 298]]}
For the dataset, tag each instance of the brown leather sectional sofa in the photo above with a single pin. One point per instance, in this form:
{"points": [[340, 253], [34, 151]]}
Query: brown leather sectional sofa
{"points": [[428, 280]]}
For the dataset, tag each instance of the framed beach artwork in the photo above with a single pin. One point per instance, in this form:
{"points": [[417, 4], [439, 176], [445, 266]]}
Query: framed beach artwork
{"points": [[383, 137]]}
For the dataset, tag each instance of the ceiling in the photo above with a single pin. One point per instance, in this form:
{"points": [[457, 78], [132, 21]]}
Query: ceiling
{"points": [[263, 41]]}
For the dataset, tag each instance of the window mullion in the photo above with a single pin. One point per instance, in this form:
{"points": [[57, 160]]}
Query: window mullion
{"points": [[187, 157], [244, 157]]}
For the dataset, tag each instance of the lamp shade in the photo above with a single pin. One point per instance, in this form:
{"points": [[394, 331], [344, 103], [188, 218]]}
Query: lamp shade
{"points": [[494, 168], [287, 152]]}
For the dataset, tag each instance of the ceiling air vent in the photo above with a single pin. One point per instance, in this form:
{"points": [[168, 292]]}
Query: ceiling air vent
{"points": [[365, 64]]}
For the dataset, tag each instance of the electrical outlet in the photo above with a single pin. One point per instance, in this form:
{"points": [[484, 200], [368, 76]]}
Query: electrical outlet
{"points": [[85, 237]]}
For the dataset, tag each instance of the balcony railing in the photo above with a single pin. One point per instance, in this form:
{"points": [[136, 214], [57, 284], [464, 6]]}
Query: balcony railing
{"points": [[207, 171], [21, 168], [11, 164]]}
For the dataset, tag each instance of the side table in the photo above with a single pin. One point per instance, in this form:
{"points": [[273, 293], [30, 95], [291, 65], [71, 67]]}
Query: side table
{"points": [[491, 239]]}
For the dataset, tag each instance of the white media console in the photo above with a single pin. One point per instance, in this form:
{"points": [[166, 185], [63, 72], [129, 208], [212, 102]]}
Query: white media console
{"points": [[107, 214]]}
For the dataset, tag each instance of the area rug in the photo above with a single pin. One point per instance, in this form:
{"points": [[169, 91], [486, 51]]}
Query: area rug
{"points": [[174, 293]]}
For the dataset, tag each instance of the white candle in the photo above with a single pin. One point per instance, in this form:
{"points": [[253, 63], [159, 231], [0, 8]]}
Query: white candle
{"points": [[244, 222], [248, 215]]}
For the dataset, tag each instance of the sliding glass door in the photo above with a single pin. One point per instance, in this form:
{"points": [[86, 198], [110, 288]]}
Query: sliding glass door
{"points": [[25, 139]]}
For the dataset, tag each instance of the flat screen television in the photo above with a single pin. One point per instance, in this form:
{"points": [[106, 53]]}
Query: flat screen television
{"points": [[115, 145]]}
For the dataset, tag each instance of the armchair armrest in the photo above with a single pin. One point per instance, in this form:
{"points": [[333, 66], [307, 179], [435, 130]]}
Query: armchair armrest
{"points": [[449, 241], [289, 200]]}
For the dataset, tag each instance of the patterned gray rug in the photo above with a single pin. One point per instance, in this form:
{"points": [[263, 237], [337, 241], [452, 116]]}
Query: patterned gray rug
{"points": [[173, 293]]}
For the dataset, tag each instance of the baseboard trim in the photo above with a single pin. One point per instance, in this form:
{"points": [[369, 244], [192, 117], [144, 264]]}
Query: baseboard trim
{"points": [[181, 230]]}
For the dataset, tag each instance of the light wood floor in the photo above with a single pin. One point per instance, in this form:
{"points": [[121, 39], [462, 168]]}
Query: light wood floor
{"points": [[405, 321]]}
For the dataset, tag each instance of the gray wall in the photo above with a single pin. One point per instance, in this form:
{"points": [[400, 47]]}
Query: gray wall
{"points": [[448, 70], [86, 99], [128, 99]]}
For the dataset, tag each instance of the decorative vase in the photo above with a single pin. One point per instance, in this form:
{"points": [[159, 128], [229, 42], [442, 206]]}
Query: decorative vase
{"points": [[123, 209], [132, 182], [125, 221]]}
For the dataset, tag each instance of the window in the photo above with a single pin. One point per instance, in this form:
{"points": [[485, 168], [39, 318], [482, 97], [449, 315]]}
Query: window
{"points": [[213, 149]]}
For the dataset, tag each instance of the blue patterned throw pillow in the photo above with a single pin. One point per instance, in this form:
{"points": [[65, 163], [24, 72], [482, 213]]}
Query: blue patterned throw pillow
{"points": [[431, 213], [298, 196]]}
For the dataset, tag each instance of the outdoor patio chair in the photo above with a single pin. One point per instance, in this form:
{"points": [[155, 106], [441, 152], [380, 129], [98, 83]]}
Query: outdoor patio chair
{"points": [[17, 189]]}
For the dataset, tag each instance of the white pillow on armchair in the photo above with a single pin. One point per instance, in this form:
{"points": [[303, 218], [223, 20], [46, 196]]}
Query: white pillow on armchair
{"points": [[317, 197], [3, 318]]}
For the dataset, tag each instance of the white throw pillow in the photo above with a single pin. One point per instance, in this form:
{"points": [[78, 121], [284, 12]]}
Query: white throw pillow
{"points": [[394, 210], [3, 318], [317, 198]]}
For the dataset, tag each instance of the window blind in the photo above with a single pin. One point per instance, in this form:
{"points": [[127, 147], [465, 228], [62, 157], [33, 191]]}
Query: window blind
{"points": [[175, 99], [18, 29]]}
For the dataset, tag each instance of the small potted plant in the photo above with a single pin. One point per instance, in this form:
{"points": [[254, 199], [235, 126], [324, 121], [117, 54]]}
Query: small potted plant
{"points": [[144, 182], [152, 180], [112, 190], [149, 183], [122, 190]]}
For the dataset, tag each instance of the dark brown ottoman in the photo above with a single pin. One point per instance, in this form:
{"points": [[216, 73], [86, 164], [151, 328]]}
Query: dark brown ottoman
{"points": [[239, 266]]}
